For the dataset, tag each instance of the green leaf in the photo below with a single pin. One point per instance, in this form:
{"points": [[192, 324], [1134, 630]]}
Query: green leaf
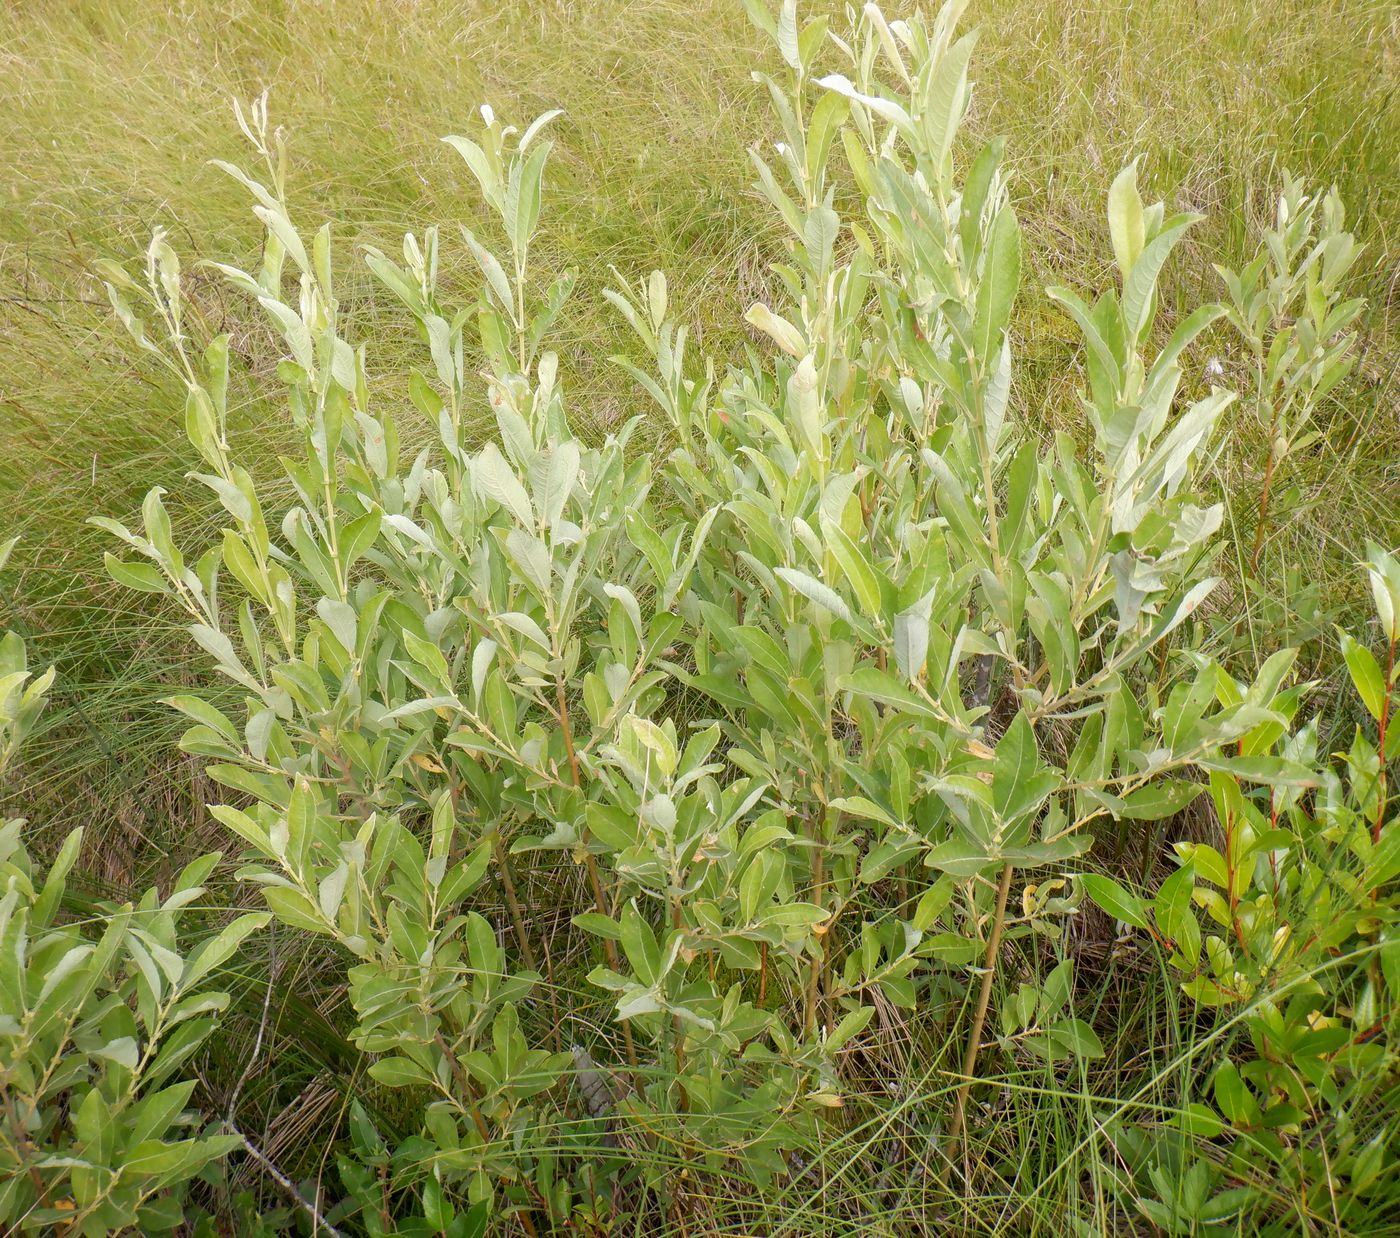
{"points": [[761, 17], [123, 1051], [932, 903], [885, 108], [851, 1025], [292, 907], [814, 591], [1270, 771], [358, 536], [1115, 900], [1173, 902], [557, 481], [145, 577], [479, 164], [1234, 1098], [1139, 287], [1125, 219], [960, 858], [400, 1072], [1019, 782], [1084, 317], [599, 925], [1076, 1036], [827, 116], [859, 806], [794, 915], [491, 268], [639, 944], [47, 904], [1159, 799], [1205, 861], [855, 567], [527, 207], [496, 480], [997, 290], [947, 99], [911, 635], [1365, 674], [786, 34], [429, 657], [216, 952], [820, 232], [1056, 990], [1201, 1120], [881, 686]]}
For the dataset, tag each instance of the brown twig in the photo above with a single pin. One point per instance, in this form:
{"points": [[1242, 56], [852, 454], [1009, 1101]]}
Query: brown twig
{"points": [[319, 1224], [979, 1019], [590, 862]]}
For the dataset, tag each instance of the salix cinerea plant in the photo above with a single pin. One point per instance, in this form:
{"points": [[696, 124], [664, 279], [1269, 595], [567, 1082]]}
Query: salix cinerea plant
{"points": [[885, 524], [440, 664], [779, 722], [1290, 309], [571, 643], [97, 1025], [98, 1019], [338, 639]]}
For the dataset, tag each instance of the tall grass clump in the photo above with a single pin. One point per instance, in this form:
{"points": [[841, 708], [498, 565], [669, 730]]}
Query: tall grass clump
{"points": [[701, 838]]}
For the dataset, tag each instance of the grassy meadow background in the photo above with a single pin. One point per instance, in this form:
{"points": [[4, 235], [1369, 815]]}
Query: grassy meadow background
{"points": [[112, 109]]}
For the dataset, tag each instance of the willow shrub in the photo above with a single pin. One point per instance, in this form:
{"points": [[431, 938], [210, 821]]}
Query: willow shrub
{"points": [[781, 719], [98, 1021]]}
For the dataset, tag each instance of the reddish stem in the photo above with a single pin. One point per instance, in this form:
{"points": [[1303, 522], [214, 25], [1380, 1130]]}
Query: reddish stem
{"points": [[1380, 749]]}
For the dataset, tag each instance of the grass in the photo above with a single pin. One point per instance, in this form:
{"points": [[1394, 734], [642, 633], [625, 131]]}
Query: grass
{"points": [[114, 108]]}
